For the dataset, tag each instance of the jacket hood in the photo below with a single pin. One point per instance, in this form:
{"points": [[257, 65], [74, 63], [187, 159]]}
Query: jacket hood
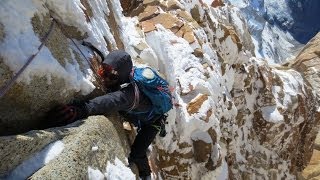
{"points": [[121, 62]]}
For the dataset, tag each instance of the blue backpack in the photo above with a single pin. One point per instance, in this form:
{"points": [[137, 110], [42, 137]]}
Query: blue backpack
{"points": [[155, 88]]}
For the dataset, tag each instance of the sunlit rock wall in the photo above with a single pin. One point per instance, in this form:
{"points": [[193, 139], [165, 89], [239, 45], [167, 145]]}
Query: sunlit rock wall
{"points": [[235, 116]]}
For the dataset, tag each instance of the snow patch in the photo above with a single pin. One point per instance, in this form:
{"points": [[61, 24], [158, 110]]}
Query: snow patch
{"points": [[200, 135], [271, 114], [94, 148], [38, 160], [238, 3], [95, 174], [118, 171], [208, 2]]}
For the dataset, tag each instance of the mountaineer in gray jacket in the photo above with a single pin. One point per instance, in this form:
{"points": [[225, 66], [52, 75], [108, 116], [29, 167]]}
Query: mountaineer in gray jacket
{"points": [[115, 72]]}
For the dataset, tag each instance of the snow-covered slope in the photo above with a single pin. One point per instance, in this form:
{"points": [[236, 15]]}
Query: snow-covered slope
{"points": [[280, 27], [235, 116]]}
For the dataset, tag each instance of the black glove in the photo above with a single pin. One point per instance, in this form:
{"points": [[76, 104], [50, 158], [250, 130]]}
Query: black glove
{"points": [[62, 115]]}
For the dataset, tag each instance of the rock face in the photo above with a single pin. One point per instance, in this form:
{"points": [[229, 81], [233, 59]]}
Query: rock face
{"points": [[264, 131], [33, 94], [312, 171], [236, 116], [308, 63], [79, 143], [59, 73], [269, 23]]}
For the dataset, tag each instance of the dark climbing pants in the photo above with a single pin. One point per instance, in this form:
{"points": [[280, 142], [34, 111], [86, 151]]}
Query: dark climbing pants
{"points": [[138, 154]]}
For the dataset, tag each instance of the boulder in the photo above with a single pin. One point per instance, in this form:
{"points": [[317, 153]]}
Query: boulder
{"points": [[172, 5], [312, 171], [185, 15], [195, 13], [151, 2], [195, 104], [198, 53], [147, 26], [217, 3], [149, 12], [186, 32], [167, 20], [90, 142]]}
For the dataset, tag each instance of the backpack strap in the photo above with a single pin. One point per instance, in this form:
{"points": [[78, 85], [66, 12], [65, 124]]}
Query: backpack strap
{"points": [[136, 93]]}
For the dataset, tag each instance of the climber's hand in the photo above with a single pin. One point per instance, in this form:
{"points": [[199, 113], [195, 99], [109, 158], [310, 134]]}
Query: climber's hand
{"points": [[62, 115]]}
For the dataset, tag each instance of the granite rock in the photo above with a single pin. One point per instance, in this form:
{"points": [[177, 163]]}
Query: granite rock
{"points": [[105, 134]]}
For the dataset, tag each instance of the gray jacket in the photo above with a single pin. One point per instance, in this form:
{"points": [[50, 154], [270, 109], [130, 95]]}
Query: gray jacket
{"points": [[120, 99]]}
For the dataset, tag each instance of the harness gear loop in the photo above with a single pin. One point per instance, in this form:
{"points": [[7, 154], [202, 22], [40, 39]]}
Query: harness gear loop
{"points": [[161, 128], [10, 83]]}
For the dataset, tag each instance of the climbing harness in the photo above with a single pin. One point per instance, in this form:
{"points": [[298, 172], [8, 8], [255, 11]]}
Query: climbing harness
{"points": [[162, 127], [9, 84]]}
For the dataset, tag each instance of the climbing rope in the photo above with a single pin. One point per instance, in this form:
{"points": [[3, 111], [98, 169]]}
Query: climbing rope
{"points": [[93, 68], [96, 76], [9, 84]]}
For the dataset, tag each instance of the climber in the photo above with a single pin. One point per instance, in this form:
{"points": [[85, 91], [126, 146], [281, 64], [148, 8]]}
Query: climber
{"points": [[124, 97]]}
